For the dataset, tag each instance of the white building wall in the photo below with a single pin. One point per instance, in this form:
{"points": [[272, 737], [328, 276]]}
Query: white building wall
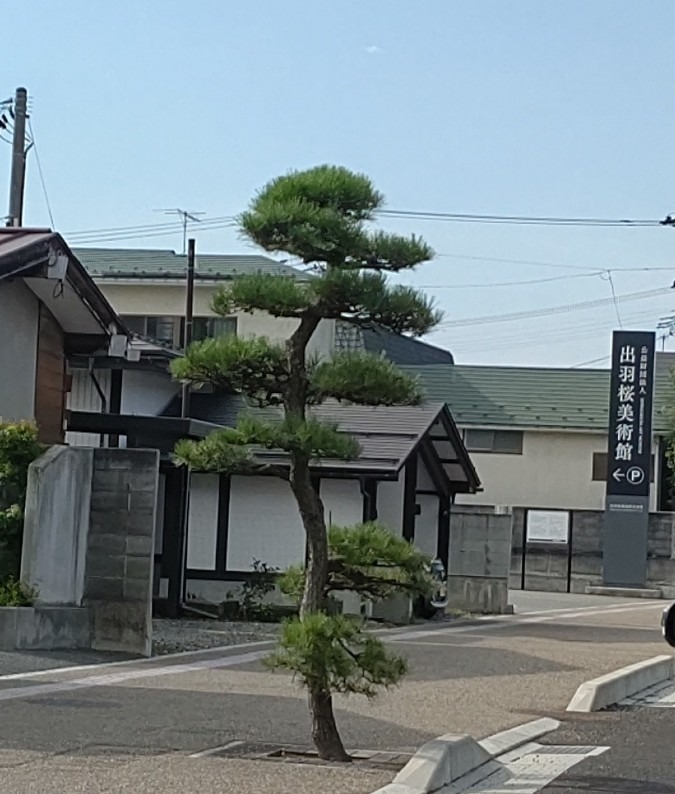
{"points": [[342, 502], [264, 524], [146, 393], [169, 300], [18, 351], [390, 504], [203, 522], [426, 521], [555, 470]]}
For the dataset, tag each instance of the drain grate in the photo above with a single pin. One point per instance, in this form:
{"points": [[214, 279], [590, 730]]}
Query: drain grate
{"points": [[303, 754], [565, 750]]}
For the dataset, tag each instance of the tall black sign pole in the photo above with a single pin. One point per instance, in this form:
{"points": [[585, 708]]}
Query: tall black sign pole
{"points": [[629, 459]]}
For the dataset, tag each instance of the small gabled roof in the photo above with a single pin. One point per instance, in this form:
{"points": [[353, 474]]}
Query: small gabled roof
{"points": [[152, 264], [387, 435], [41, 258]]}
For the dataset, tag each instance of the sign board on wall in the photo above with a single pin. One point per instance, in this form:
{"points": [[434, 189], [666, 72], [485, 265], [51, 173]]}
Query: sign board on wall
{"points": [[547, 526]]}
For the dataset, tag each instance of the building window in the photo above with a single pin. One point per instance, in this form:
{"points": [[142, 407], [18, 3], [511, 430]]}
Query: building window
{"points": [[163, 329], [501, 442], [600, 467], [212, 327]]}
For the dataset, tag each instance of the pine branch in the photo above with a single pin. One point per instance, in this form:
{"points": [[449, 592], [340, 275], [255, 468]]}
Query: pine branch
{"points": [[391, 252], [255, 367], [364, 379], [367, 299], [280, 296]]}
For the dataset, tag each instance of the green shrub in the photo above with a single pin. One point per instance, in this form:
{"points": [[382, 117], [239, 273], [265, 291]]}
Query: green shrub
{"points": [[14, 593], [18, 449]]}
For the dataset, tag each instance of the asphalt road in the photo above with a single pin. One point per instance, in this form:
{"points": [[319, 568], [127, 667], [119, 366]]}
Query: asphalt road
{"points": [[134, 726], [640, 759]]}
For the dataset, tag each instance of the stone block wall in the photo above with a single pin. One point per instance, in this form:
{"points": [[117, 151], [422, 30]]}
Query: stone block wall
{"points": [[480, 553], [89, 540]]}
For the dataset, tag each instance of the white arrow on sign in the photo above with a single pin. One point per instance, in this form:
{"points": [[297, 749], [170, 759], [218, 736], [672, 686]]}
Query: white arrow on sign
{"points": [[618, 475]]}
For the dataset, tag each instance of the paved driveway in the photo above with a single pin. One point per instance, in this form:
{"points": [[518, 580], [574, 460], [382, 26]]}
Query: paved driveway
{"points": [[134, 726]]}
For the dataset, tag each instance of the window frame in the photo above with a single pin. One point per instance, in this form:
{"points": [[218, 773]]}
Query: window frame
{"points": [[493, 448]]}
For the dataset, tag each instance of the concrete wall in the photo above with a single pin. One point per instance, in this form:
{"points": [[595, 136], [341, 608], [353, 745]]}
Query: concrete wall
{"points": [[555, 470], [546, 565], [18, 351], [480, 555], [89, 539], [120, 549], [56, 524]]}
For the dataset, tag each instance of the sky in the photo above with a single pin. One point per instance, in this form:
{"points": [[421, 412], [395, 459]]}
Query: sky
{"points": [[519, 108]]}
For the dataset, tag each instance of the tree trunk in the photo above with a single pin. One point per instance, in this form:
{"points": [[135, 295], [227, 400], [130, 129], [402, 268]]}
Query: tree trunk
{"points": [[324, 729], [325, 734]]}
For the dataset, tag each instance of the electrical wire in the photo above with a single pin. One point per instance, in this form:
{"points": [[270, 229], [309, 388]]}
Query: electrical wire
{"points": [[499, 284], [41, 174], [518, 219], [543, 312], [614, 298]]}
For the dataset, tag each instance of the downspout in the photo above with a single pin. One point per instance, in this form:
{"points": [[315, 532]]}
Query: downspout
{"points": [[101, 394]]}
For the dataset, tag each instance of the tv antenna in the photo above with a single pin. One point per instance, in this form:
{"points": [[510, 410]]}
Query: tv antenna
{"points": [[667, 327], [186, 216]]}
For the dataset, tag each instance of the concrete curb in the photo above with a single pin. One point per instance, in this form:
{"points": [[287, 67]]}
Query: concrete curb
{"points": [[614, 687], [448, 758]]}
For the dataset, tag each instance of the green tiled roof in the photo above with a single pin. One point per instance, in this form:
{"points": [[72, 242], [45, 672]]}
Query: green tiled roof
{"points": [[165, 263], [532, 396]]}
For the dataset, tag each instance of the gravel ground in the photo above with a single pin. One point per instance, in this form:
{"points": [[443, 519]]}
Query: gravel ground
{"points": [[173, 636]]}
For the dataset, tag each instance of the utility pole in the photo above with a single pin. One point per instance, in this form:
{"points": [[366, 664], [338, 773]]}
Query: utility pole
{"points": [[189, 311], [18, 173]]}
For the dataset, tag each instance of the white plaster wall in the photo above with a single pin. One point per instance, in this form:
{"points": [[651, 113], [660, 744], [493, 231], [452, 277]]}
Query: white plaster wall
{"points": [[203, 522], [342, 502], [264, 524], [18, 351], [390, 504], [426, 522], [146, 393], [555, 470]]}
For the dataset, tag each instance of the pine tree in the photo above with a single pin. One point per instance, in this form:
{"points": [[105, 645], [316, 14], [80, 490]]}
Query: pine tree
{"points": [[322, 217]]}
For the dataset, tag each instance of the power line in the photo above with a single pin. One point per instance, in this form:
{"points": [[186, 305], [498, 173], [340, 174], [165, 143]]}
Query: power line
{"points": [[614, 298], [42, 177], [509, 283], [564, 308], [457, 217], [592, 361]]}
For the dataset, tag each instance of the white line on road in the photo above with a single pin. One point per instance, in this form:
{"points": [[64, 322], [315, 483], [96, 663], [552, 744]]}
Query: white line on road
{"points": [[507, 621], [121, 677]]}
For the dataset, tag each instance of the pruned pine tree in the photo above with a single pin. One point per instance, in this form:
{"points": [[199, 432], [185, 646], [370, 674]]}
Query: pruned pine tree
{"points": [[322, 217]]}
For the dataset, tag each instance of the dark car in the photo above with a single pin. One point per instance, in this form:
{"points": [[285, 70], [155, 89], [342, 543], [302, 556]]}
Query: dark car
{"points": [[668, 624]]}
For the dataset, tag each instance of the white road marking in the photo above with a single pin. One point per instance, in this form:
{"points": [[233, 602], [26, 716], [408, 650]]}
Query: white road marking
{"points": [[143, 660], [23, 693], [509, 621], [524, 771]]}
